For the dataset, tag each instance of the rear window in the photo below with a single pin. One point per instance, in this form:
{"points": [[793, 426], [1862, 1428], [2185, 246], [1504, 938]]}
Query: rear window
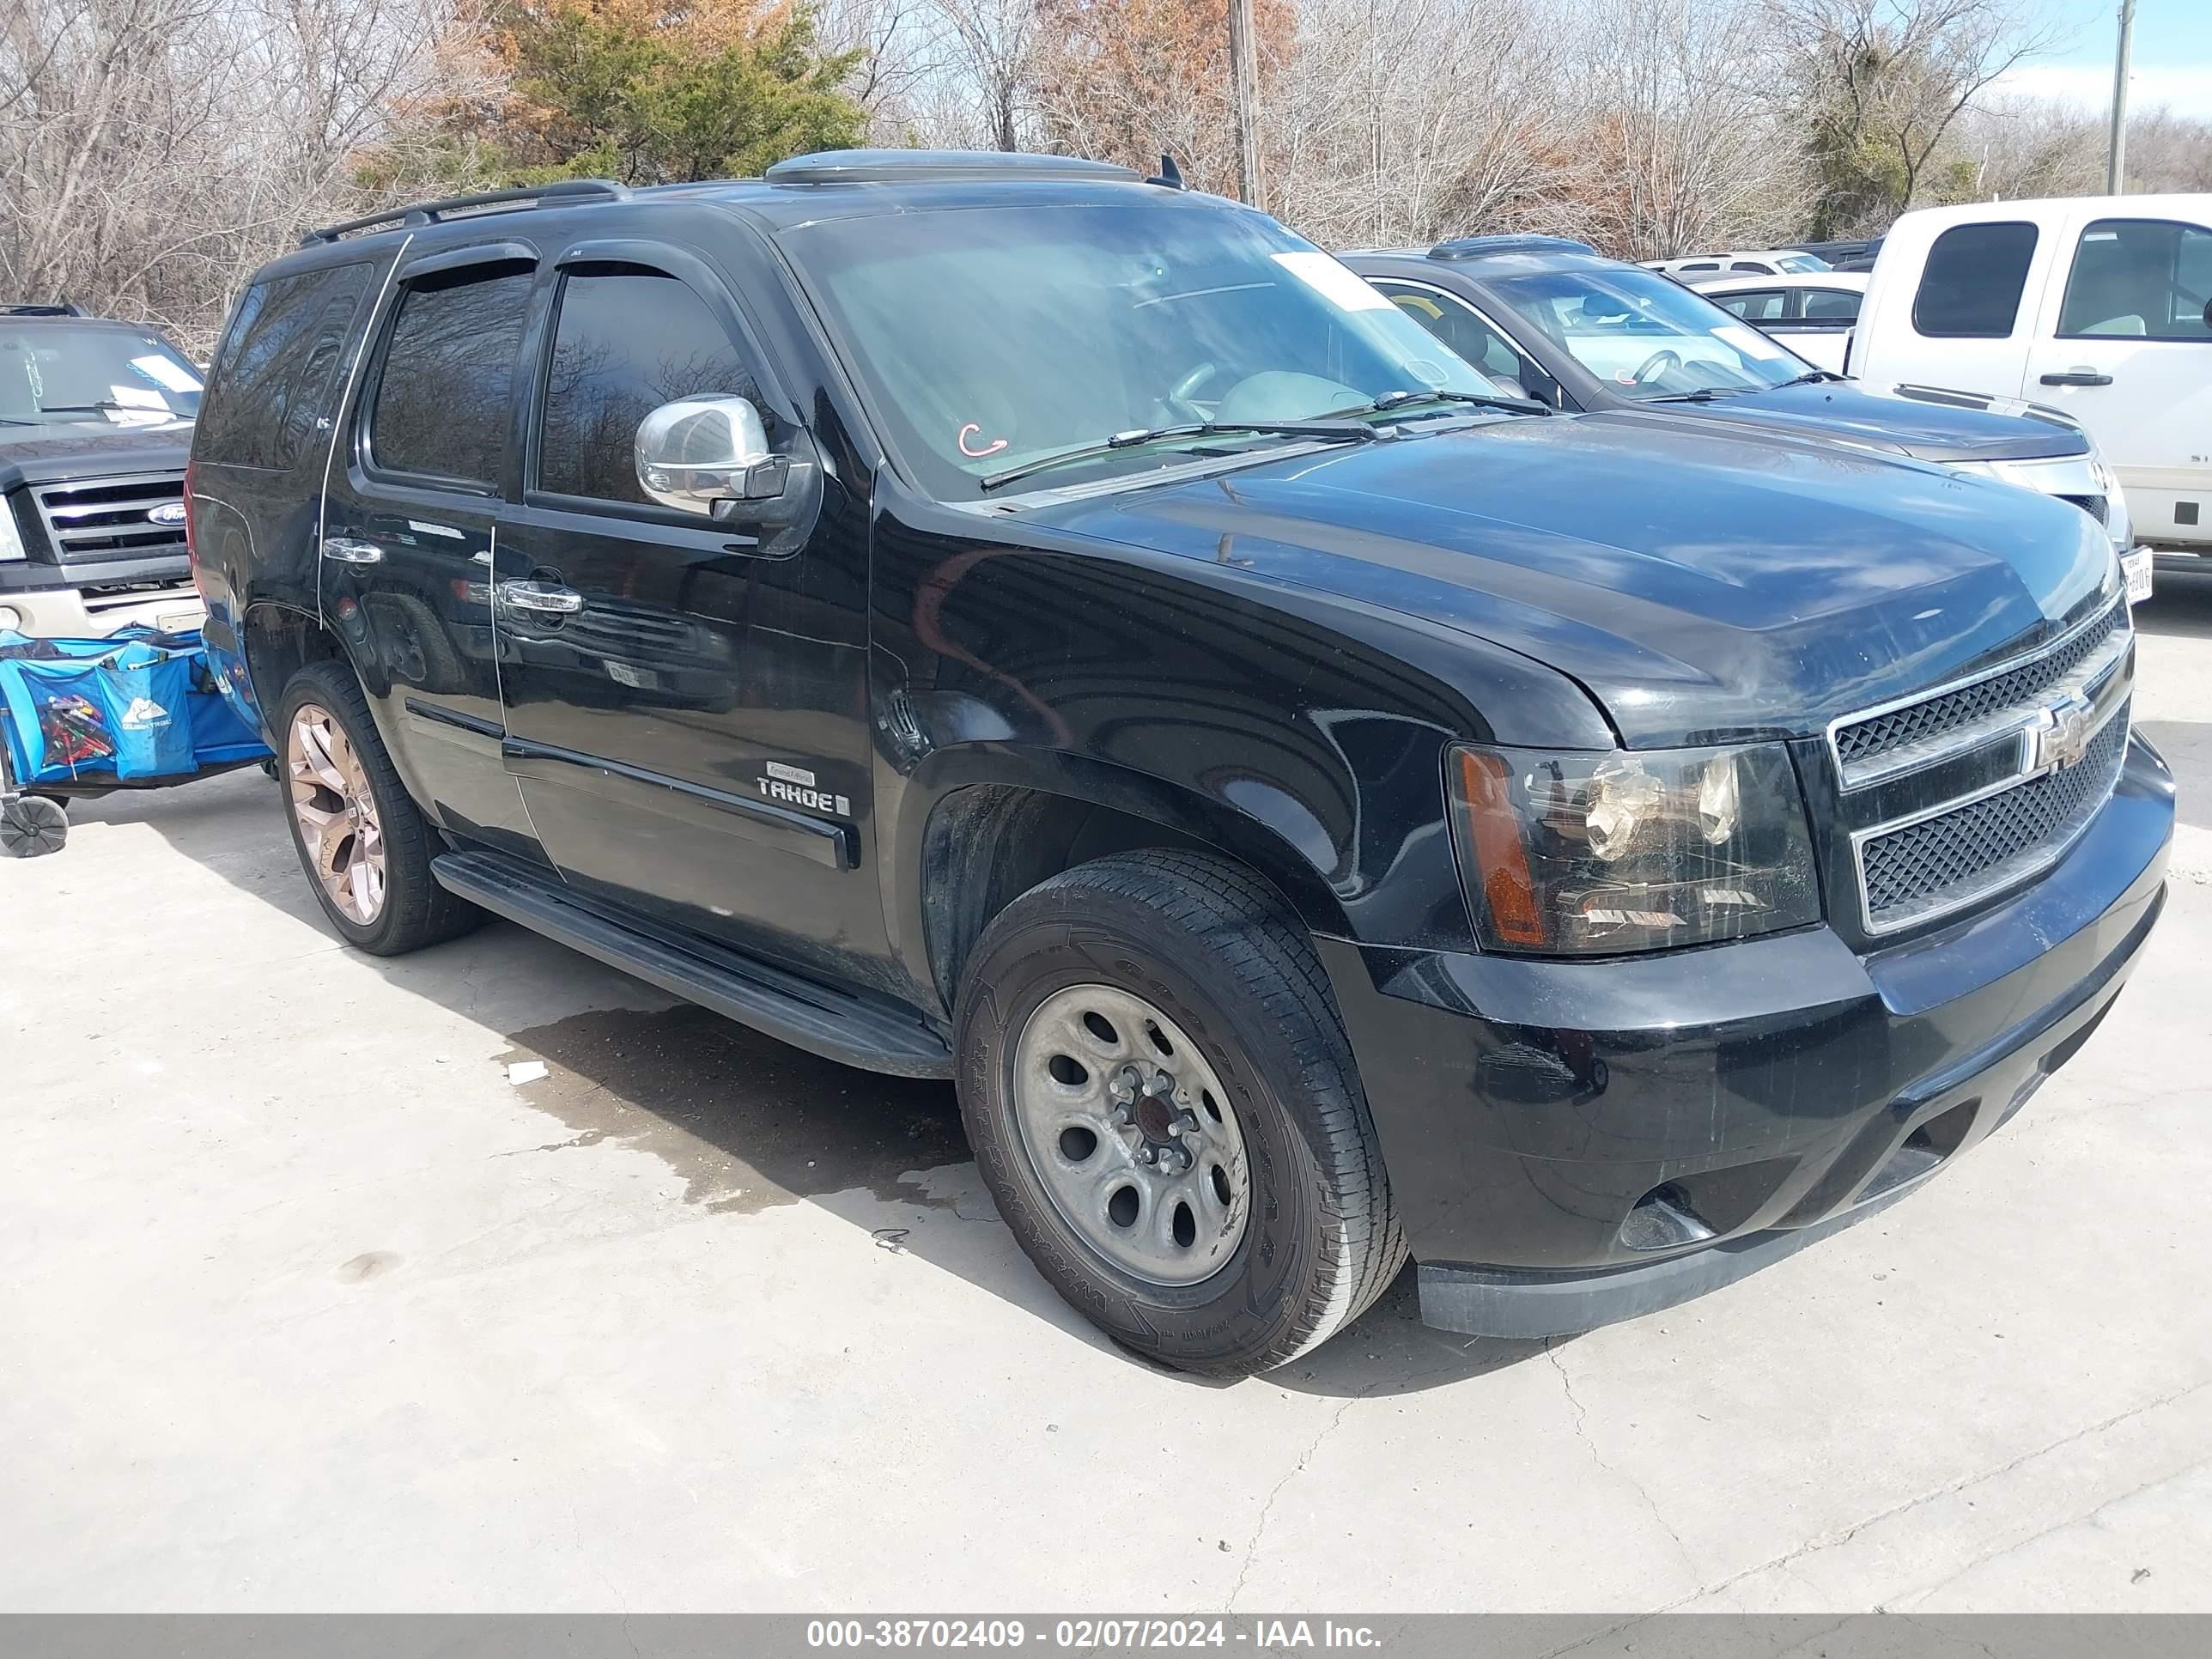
{"points": [[1972, 286], [447, 380], [277, 372]]}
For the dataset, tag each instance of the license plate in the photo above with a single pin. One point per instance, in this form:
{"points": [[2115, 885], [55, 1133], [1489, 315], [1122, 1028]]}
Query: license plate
{"points": [[2138, 565]]}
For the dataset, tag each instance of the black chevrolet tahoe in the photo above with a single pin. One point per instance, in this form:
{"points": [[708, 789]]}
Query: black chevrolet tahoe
{"points": [[998, 618], [95, 423]]}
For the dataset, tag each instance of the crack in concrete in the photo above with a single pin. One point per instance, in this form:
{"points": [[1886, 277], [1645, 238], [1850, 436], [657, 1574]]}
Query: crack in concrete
{"points": [[2037, 1537], [1267, 1509], [1582, 1434], [1836, 1539]]}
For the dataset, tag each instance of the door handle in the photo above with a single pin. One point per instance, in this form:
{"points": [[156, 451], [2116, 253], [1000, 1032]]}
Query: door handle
{"points": [[2078, 377], [346, 551], [546, 599]]}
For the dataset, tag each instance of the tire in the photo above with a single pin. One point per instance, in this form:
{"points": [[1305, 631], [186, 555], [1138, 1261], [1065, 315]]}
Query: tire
{"points": [[1235, 996], [32, 826], [412, 909]]}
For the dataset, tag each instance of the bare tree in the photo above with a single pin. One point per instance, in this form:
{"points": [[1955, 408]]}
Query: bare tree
{"points": [[1883, 82], [153, 152]]}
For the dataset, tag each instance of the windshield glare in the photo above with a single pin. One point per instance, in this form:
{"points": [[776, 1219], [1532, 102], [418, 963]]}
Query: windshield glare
{"points": [[991, 337], [52, 374], [1646, 336], [1804, 263]]}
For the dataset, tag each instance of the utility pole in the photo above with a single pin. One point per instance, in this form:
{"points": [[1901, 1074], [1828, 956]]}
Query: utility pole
{"points": [[1244, 94], [2116, 168]]}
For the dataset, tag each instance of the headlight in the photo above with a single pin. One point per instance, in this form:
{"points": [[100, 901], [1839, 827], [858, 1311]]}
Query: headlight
{"points": [[1587, 854], [11, 539]]}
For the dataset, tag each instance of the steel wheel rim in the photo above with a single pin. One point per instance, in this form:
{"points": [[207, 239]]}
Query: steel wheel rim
{"points": [[335, 814], [1130, 1134]]}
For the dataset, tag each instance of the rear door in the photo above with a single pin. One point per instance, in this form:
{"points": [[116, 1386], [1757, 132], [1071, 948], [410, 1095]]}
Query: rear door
{"points": [[408, 529], [1971, 313], [690, 732], [2123, 343]]}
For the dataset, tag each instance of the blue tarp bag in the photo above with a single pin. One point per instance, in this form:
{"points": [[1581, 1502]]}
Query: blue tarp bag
{"points": [[135, 709]]}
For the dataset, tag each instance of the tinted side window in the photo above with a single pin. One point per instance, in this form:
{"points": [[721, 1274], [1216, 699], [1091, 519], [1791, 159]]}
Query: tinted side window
{"points": [[1761, 306], [274, 368], [1971, 286], [2148, 279], [1831, 305], [447, 379], [627, 341], [1753, 266]]}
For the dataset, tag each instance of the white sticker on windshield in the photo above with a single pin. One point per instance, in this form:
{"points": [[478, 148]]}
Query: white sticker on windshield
{"points": [[1339, 286], [137, 397], [1749, 341], [159, 370]]}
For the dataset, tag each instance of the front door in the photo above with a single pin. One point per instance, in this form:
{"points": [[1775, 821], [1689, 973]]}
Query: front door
{"points": [[685, 707], [2125, 344]]}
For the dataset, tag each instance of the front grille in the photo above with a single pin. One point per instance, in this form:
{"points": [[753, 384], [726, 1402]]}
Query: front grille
{"points": [[106, 518], [1917, 724], [1943, 862], [2097, 507]]}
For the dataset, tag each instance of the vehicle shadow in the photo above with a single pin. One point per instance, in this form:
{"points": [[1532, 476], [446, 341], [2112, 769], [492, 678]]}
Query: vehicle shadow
{"points": [[747, 1123], [2180, 605]]}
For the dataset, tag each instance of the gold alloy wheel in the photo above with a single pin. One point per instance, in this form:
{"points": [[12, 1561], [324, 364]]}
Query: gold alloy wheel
{"points": [[335, 814]]}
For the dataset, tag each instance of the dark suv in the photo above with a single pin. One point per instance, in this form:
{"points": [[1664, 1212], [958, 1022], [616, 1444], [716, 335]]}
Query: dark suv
{"points": [[95, 421], [995, 618]]}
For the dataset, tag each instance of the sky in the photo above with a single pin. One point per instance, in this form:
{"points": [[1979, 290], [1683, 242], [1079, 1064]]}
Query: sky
{"points": [[2172, 63]]}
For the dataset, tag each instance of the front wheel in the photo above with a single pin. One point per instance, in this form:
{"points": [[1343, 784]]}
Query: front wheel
{"points": [[1162, 1100]]}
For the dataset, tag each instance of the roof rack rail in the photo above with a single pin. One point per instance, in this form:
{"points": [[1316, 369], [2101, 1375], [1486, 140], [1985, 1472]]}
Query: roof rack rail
{"points": [[876, 166], [1474, 247], [560, 192], [48, 308]]}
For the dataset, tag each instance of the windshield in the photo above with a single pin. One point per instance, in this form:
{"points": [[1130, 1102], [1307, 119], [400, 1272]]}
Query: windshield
{"points": [[52, 372], [1645, 336], [1804, 263], [990, 337]]}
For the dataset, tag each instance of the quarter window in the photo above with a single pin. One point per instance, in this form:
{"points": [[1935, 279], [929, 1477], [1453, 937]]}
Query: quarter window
{"points": [[2140, 279], [273, 375], [628, 341], [1831, 305], [1971, 287], [448, 376]]}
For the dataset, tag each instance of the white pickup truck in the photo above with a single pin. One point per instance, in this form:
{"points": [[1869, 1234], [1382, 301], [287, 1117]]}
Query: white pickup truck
{"points": [[2098, 305]]}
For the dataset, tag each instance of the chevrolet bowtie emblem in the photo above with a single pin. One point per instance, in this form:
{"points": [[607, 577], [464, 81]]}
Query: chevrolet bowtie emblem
{"points": [[2061, 737]]}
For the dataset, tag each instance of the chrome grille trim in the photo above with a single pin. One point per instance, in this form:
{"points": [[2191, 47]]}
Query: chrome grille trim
{"points": [[2045, 717], [98, 516], [2099, 770], [1863, 758]]}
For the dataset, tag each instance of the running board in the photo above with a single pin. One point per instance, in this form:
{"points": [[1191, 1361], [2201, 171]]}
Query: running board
{"points": [[785, 1005]]}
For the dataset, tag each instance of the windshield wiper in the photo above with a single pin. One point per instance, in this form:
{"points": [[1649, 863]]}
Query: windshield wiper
{"points": [[1390, 400], [1336, 431], [12, 420], [1706, 394], [1811, 377], [102, 407]]}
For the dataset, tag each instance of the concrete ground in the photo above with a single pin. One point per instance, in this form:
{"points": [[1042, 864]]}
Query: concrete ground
{"points": [[304, 1305]]}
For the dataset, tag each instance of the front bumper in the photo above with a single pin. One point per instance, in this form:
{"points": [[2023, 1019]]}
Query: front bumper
{"points": [[71, 613], [1572, 1143]]}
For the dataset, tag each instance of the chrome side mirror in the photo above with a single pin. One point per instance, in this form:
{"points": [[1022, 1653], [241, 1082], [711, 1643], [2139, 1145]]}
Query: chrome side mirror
{"points": [[698, 451]]}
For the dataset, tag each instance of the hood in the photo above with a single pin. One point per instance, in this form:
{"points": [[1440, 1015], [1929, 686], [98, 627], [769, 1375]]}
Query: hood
{"points": [[1922, 422], [1700, 585], [90, 449]]}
